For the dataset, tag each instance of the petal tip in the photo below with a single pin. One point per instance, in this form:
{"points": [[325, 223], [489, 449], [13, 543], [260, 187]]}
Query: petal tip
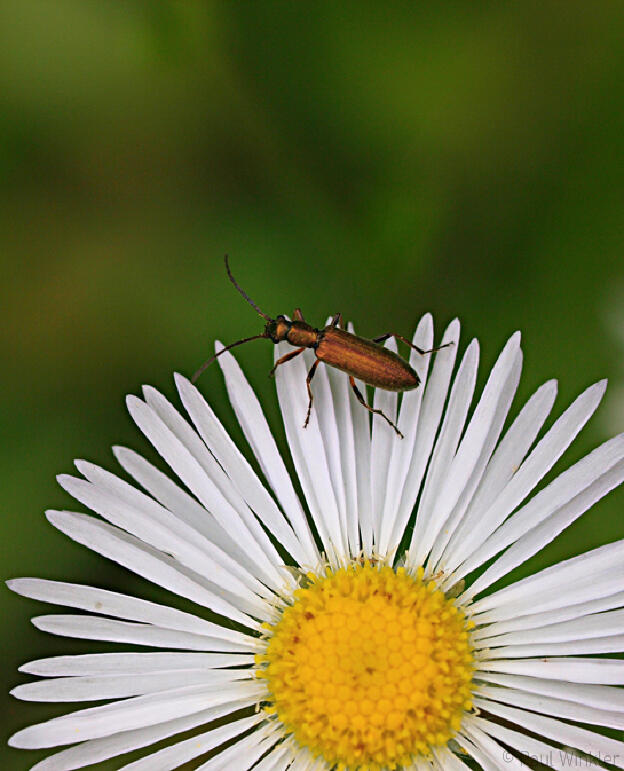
{"points": [[132, 402], [83, 465], [149, 392], [54, 517], [65, 480], [13, 741], [181, 381]]}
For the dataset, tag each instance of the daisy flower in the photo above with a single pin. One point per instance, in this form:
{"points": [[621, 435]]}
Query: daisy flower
{"points": [[355, 627]]}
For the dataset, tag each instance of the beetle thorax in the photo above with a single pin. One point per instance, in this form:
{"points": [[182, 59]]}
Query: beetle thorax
{"points": [[302, 334]]}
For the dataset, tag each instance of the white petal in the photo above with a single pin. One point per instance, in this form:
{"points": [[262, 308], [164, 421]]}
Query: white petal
{"points": [[600, 568], [137, 712], [301, 762], [99, 628], [535, 540], [610, 644], [96, 750], [593, 625], [446, 444], [383, 442], [122, 606], [119, 686], [501, 469], [245, 752], [568, 735], [184, 506], [194, 476], [421, 765], [470, 743], [242, 475], [146, 513], [325, 412], [278, 759], [433, 399], [360, 419], [184, 751], [164, 411], [550, 500], [257, 432], [142, 559], [557, 514], [444, 451], [590, 588], [132, 663], [482, 730], [581, 713], [536, 620], [603, 697], [524, 745], [154, 525], [545, 454], [391, 528], [447, 760], [493, 420], [308, 451], [348, 458], [581, 670]]}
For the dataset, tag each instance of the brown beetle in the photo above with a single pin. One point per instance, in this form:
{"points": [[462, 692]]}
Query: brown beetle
{"points": [[360, 358]]}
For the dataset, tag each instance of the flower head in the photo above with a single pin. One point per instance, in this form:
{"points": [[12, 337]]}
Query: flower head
{"points": [[357, 629]]}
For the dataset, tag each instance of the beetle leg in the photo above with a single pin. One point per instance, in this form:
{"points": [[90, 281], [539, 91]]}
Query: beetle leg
{"points": [[286, 357], [362, 401], [297, 315], [310, 397], [336, 320], [381, 339]]}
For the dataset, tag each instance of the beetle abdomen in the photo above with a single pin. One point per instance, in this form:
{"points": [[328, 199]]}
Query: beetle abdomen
{"points": [[365, 360]]}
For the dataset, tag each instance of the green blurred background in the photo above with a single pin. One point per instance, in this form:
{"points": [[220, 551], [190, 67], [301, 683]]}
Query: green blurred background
{"points": [[379, 159]]}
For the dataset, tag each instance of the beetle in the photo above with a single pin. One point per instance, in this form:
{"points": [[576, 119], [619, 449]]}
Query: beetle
{"points": [[358, 357]]}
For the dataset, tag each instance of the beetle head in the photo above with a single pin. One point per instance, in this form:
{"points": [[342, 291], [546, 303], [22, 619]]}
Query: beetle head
{"points": [[277, 329]]}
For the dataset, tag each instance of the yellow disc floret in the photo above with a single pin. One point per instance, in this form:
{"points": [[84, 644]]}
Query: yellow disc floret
{"points": [[369, 667]]}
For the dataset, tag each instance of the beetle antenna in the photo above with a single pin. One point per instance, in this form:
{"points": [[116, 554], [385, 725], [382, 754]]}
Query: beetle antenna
{"points": [[242, 291], [206, 364]]}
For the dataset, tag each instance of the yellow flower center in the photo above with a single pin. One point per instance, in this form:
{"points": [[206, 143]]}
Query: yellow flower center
{"points": [[369, 667]]}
